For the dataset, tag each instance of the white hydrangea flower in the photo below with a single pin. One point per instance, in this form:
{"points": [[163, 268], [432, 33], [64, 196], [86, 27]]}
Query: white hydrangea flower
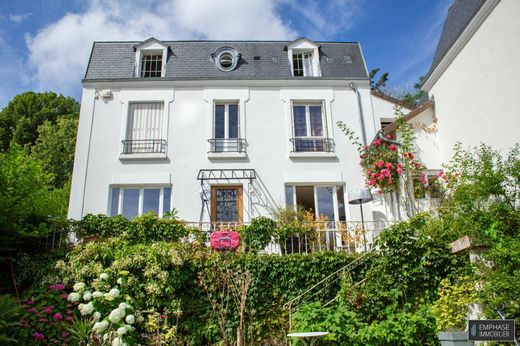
{"points": [[120, 281], [116, 315], [97, 294], [121, 330], [124, 306], [112, 294], [73, 297], [86, 309], [78, 287], [99, 327], [103, 276], [97, 315], [118, 342], [140, 319], [87, 296], [130, 319]]}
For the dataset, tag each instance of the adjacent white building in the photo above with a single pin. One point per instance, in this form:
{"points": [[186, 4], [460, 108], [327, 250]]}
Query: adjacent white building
{"points": [[474, 81], [221, 130]]}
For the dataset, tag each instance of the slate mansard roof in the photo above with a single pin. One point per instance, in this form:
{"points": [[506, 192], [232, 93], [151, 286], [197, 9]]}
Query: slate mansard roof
{"points": [[460, 14], [192, 60]]}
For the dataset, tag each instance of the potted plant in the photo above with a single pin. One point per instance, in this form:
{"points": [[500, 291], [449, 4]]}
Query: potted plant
{"points": [[451, 311]]}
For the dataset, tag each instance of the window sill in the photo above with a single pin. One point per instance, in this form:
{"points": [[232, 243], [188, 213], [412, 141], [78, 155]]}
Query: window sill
{"points": [[226, 155], [143, 156], [311, 154]]}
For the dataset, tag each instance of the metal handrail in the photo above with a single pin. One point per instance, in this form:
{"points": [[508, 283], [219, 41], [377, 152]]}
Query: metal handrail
{"points": [[312, 144], [227, 145], [144, 146]]}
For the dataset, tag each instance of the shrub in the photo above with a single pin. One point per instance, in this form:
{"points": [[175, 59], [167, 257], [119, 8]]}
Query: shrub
{"points": [[451, 309], [11, 313], [257, 235], [50, 314]]}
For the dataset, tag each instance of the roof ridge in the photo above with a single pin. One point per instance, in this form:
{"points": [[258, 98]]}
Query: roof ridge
{"points": [[238, 41]]}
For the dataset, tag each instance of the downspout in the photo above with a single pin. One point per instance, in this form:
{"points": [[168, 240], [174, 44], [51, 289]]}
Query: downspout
{"points": [[96, 97], [361, 116]]}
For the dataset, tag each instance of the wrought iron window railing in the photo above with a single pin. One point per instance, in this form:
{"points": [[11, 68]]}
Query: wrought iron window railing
{"points": [[310, 144], [144, 146], [227, 145]]}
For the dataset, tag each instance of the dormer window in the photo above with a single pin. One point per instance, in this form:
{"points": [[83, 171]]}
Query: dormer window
{"points": [[150, 58], [226, 58], [302, 64], [304, 58], [151, 65]]}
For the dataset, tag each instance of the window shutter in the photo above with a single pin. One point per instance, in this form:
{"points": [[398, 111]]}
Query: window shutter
{"points": [[145, 121]]}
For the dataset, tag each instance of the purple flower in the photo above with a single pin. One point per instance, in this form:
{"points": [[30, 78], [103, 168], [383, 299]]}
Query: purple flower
{"points": [[42, 320], [30, 302], [47, 310], [32, 310], [58, 287], [64, 334], [57, 316], [38, 336]]}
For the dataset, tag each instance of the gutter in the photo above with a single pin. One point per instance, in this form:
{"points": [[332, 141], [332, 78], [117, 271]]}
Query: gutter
{"points": [[361, 116]]}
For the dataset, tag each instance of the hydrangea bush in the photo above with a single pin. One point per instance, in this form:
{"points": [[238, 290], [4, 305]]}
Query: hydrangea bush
{"points": [[49, 314], [108, 309]]}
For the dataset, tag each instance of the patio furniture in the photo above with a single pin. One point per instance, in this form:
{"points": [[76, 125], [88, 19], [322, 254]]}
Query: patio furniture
{"points": [[311, 336]]}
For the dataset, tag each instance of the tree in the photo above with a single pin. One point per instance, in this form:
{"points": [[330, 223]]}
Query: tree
{"points": [[54, 148], [412, 98], [20, 119], [27, 202], [381, 82]]}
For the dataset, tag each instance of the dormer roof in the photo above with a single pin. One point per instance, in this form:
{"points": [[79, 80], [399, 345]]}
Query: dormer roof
{"points": [[152, 41]]}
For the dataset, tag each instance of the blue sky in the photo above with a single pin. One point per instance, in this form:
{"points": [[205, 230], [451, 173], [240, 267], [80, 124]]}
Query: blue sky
{"points": [[45, 44]]}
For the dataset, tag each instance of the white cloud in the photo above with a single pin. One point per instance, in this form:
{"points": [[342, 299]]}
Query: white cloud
{"points": [[18, 18], [59, 52]]}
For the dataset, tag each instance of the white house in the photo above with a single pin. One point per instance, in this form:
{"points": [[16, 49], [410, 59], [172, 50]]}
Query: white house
{"points": [[222, 131], [474, 81]]}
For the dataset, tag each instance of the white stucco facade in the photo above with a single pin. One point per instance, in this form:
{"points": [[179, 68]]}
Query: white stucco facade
{"points": [[477, 83], [265, 122]]}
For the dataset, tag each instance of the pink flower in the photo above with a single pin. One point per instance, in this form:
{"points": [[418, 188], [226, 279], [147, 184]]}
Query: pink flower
{"points": [[47, 310], [42, 320], [59, 287], [30, 302], [399, 164], [57, 316], [377, 142], [24, 323], [390, 181], [389, 165], [64, 334], [380, 191], [65, 296], [380, 177], [69, 312], [399, 170], [380, 163], [372, 182], [393, 147], [38, 336], [32, 310], [68, 318]]}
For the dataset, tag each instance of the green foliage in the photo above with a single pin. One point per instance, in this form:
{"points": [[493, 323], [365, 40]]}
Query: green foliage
{"points": [[49, 314], [346, 327], [142, 229], [20, 119], [29, 206], [55, 146], [11, 313], [258, 234], [380, 84], [411, 98], [451, 308], [407, 270]]}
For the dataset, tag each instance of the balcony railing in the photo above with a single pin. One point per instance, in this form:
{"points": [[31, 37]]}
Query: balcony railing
{"points": [[345, 236], [304, 144], [227, 145], [144, 146]]}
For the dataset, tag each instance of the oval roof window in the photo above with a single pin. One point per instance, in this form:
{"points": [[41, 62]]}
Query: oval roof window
{"points": [[226, 58]]}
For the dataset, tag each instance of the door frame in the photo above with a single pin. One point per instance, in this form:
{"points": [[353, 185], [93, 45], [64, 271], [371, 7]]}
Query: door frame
{"points": [[240, 201]]}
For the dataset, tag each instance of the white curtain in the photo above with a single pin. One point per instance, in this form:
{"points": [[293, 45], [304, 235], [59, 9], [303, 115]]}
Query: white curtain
{"points": [[145, 121]]}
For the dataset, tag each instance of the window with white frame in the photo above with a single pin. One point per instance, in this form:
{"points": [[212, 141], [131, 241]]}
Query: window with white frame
{"points": [[325, 201], [303, 64], [309, 128], [133, 201], [151, 64], [226, 128], [145, 128]]}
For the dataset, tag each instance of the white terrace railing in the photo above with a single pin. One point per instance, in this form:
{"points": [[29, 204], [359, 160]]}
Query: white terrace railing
{"points": [[316, 236]]}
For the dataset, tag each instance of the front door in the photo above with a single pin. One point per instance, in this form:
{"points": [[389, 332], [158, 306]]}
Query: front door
{"points": [[226, 204]]}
